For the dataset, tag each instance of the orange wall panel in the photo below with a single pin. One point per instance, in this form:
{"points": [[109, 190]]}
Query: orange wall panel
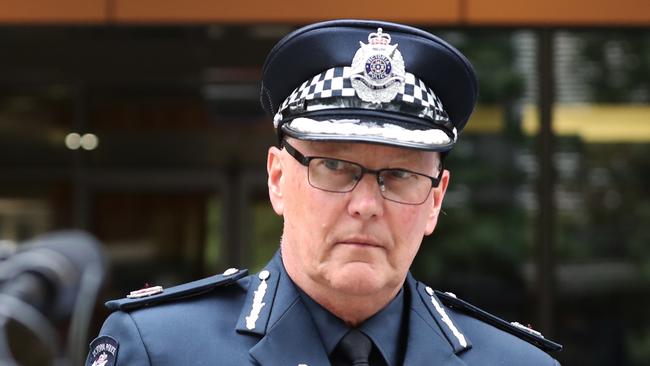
{"points": [[290, 11], [53, 11], [431, 12], [557, 12]]}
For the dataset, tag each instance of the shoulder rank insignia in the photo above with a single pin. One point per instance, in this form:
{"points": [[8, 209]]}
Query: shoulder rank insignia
{"points": [[144, 292], [529, 335], [157, 295]]}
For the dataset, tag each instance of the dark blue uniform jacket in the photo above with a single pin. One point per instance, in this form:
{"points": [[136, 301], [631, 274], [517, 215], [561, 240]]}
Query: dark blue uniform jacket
{"points": [[235, 319]]}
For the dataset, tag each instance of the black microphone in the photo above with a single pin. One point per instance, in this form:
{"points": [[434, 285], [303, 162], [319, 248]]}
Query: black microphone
{"points": [[46, 272]]}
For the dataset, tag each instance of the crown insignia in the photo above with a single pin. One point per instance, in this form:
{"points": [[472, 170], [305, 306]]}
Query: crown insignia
{"points": [[379, 38]]}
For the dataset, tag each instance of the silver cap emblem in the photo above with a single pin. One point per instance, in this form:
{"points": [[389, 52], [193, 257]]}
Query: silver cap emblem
{"points": [[377, 69]]}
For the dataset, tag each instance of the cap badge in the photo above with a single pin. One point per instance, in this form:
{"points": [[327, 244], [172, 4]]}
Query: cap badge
{"points": [[377, 69]]}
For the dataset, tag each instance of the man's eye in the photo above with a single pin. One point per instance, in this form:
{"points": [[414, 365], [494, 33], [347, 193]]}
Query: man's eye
{"points": [[333, 164], [397, 174]]}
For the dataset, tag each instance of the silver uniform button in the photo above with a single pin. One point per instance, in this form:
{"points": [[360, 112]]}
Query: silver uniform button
{"points": [[429, 291], [451, 294], [264, 275], [230, 271]]}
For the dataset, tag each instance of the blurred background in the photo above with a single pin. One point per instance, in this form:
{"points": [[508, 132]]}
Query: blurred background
{"points": [[139, 121]]}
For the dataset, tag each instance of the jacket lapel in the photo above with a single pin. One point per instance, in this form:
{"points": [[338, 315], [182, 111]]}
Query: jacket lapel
{"points": [[292, 341], [289, 335], [427, 343]]}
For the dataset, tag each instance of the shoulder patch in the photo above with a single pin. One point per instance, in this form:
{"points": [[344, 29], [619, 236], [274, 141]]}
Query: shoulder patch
{"points": [[103, 352], [183, 291], [521, 331]]}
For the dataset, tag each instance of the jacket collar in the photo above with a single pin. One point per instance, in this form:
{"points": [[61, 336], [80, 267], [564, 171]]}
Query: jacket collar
{"points": [[428, 341], [289, 335]]}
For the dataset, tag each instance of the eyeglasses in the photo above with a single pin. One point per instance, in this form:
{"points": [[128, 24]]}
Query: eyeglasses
{"points": [[340, 176]]}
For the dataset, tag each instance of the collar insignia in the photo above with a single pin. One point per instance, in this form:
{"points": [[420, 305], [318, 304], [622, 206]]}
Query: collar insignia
{"points": [[377, 69], [258, 300]]}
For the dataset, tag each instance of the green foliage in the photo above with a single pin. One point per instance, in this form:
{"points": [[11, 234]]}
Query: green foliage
{"points": [[492, 54], [487, 232], [266, 234], [213, 225], [638, 347], [617, 65]]}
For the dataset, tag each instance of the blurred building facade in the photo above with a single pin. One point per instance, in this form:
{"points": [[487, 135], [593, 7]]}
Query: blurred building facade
{"points": [[141, 123]]}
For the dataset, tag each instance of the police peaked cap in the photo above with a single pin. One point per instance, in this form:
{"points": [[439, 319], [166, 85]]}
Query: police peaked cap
{"points": [[368, 81]]}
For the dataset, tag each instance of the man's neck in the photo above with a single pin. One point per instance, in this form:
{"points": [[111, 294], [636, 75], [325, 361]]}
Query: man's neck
{"points": [[352, 309]]}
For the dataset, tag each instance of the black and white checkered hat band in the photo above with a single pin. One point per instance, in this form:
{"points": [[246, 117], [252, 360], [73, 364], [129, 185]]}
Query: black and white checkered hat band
{"points": [[336, 82]]}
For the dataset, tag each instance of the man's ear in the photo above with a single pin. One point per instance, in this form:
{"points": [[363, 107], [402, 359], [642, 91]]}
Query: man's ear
{"points": [[274, 170], [438, 195]]}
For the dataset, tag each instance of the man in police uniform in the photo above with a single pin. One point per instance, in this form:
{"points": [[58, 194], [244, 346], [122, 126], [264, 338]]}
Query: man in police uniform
{"points": [[365, 112]]}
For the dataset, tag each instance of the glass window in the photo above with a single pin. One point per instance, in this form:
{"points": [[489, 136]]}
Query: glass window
{"points": [[602, 122], [34, 122], [485, 237]]}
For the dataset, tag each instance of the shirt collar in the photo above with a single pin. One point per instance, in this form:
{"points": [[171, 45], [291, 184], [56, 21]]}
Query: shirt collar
{"points": [[330, 328], [384, 328]]}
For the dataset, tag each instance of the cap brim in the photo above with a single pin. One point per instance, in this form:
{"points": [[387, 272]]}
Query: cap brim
{"points": [[371, 130]]}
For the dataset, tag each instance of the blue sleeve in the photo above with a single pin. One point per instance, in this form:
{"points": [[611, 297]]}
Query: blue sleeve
{"points": [[131, 349]]}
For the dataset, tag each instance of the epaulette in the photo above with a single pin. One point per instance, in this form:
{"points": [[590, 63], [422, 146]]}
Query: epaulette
{"points": [[529, 335], [156, 294]]}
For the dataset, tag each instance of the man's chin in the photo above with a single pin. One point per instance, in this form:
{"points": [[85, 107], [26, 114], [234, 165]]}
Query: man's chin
{"points": [[358, 279]]}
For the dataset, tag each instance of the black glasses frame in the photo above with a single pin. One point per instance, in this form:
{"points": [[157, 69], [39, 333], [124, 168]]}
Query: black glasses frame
{"points": [[305, 160]]}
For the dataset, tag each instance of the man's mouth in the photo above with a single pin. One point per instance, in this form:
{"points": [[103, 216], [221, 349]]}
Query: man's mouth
{"points": [[361, 242]]}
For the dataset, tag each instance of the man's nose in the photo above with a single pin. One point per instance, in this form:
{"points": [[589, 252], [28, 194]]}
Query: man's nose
{"points": [[366, 200]]}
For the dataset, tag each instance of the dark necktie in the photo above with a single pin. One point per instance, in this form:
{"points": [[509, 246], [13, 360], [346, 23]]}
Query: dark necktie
{"points": [[355, 348]]}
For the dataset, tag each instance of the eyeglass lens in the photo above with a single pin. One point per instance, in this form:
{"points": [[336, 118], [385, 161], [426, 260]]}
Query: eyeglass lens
{"points": [[342, 176]]}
